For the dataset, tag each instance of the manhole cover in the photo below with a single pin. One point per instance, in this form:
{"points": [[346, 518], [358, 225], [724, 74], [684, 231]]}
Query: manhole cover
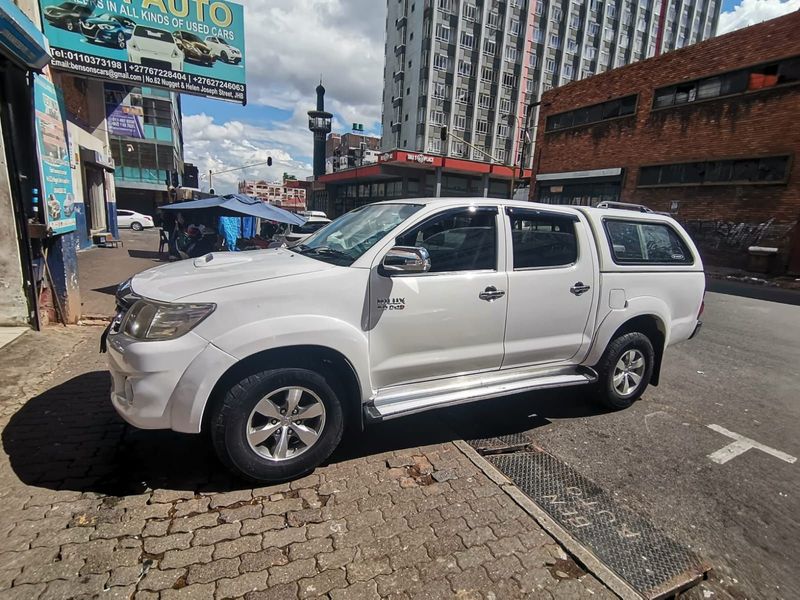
{"points": [[501, 443], [628, 544]]}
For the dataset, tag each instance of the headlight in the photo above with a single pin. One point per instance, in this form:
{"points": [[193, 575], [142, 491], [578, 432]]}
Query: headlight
{"points": [[105, 27], [150, 320]]}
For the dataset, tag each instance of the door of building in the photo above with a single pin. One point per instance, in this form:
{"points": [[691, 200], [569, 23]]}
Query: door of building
{"points": [[95, 198]]}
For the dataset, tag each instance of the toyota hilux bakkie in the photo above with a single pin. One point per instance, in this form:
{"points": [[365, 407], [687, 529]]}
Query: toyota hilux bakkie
{"points": [[395, 308]]}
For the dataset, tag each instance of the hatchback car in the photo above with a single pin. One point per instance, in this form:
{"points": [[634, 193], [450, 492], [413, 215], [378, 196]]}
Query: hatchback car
{"points": [[223, 50], [154, 47], [67, 15], [133, 220], [194, 49], [108, 29]]}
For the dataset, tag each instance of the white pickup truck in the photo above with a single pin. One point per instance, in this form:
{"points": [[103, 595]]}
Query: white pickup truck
{"points": [[395, 308]]}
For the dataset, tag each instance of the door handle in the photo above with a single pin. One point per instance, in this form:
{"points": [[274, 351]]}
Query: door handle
{"points": [[579, 288], [491, 293]]}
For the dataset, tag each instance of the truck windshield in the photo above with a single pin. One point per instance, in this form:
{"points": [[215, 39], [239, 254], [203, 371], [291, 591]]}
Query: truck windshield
{"points": [[344, 240]]}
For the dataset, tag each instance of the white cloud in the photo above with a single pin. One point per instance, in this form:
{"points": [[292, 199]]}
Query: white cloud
{"points": [[750, 12], [217, 147], [289, 44]]}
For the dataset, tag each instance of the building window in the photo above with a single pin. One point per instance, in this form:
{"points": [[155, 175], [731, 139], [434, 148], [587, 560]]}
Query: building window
{"points": [[463, 96], [489, 46], [533, 60], [482, 127], [572, 46], [505, 105], [736, 82], [502, 130], [460, 122], [488, 74], [539, 8], [493, 20], [511, 53], [445, 5], [593, 28], [566, 72], [555, 41], [550, 65], [470, 12], [589, 52], [575, 21], [435, 144], [500, 155], [441, 90], [437, 117], [557, 14], [514, 27], [465, 68], [587, 115], [457, 148], [467, 40], [442, 32], [529, 86], [485, 101], [441, 62], [509, 80], [742, 171]]}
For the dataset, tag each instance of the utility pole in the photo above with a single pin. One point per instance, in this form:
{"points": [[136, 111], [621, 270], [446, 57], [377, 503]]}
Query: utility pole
{"points": [[525, 142]]}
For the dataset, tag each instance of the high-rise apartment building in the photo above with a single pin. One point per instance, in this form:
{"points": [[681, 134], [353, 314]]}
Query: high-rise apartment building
{"points": [[475, 65]]}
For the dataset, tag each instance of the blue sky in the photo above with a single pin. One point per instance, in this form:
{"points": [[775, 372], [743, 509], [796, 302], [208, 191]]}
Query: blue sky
{"points": [[289, 44]]}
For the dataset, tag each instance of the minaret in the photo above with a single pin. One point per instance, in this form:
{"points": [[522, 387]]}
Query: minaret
{"points": [[319, 122]]}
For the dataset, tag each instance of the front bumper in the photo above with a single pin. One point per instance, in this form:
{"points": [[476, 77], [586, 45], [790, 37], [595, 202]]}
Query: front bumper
{"points": [[164, 384]]}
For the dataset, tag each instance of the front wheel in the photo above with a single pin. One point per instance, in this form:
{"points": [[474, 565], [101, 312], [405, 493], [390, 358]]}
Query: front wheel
{"points": [[121, 41], [277, 425], [70, 26], [625, 370]]}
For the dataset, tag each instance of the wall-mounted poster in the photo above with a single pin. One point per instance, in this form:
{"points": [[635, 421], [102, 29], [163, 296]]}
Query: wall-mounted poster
{"points": [[57, 198], [190, 46]]}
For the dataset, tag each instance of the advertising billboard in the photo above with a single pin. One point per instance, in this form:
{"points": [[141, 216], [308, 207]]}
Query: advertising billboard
{"points": [[58, 200], [125, 120], [189, 46]]}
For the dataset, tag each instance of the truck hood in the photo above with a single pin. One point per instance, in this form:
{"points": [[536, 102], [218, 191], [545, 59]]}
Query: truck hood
{"points": [[220, 270]]}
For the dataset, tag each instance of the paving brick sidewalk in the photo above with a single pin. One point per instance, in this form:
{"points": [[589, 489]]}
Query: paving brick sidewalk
{"points": [[91, 508]]}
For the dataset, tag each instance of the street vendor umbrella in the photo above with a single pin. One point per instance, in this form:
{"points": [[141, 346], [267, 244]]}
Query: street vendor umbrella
{"points": [[239, 204]]}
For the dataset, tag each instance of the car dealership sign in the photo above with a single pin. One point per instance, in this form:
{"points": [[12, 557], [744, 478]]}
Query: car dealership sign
{"points": [[188, 46]]}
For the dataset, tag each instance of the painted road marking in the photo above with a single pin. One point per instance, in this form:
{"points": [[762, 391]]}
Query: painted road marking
{"points": [[742, 445]]}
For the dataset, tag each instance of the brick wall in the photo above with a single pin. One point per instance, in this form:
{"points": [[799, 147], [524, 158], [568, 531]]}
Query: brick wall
{"points": [[725, 220]]}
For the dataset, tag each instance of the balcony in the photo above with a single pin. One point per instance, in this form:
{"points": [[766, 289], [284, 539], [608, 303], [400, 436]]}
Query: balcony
{"points": [[401, 22], [399, 49], [398, 75], [397, 100], [396, 127]]}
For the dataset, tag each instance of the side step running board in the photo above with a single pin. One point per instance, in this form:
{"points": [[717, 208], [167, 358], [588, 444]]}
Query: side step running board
{"points": [[391, 405]]}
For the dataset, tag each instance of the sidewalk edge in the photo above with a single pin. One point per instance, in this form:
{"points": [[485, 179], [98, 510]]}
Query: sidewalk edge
{"points": [[610, 579]]}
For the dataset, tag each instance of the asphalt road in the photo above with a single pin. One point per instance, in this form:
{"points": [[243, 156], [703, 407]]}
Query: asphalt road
{"points": [[742, 374]]}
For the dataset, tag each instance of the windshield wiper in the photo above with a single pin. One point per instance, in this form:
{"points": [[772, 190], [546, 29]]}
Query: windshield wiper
{"points": [[330, 251]]}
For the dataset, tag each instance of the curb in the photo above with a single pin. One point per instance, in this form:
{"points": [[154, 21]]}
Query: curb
{"points": [[578, 551]]}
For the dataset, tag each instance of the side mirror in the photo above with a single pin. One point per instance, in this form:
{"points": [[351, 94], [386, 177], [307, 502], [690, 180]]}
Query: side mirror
{"points": [[406, 260]]}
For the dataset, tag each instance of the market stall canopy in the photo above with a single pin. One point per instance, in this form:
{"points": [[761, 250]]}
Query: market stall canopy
{"points": [[239, 204]]}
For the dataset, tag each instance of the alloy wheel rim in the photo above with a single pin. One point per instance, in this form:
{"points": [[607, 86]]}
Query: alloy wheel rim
{"points": [[628, 372], [286, 423]]}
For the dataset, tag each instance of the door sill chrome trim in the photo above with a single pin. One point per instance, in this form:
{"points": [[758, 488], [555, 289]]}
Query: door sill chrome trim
{"points": [[410, 399]]}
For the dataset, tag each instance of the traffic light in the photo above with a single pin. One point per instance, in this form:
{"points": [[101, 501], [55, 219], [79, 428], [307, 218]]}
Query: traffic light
{"points": [[269, 161], [443, 133]]}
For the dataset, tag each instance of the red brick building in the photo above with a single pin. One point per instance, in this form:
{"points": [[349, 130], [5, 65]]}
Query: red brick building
{"points": [[708, 133]]}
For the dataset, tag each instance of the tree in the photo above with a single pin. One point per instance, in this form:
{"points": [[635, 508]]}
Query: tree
{"points": [[289, 177]]}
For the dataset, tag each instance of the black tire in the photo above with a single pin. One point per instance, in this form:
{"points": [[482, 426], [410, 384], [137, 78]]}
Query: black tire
{"points": [[136, 226], [230, 420], [224, 56], [607, 392]]}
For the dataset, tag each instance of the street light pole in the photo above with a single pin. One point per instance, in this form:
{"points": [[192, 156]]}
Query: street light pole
{"points": [[267, 162]]}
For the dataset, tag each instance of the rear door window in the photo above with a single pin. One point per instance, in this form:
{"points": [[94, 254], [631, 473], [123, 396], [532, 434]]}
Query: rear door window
{"points": [[541, 241], [638, 242]]}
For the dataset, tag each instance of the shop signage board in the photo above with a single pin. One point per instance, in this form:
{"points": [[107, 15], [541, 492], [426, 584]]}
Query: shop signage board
{"points": [[125, 120], [188, 46], [56, 198]]}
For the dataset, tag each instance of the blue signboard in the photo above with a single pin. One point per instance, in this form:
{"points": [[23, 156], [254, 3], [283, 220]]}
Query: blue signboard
{"points": [[189, 46], [125, 120], [58, 199], [20, 38]]}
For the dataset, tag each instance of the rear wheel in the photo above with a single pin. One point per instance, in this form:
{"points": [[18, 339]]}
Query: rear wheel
{"points": [[136, 226], [276, 425], [625, 370]]}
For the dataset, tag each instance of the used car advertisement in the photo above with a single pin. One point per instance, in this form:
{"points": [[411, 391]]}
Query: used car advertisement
{"points": [[189, 46]]}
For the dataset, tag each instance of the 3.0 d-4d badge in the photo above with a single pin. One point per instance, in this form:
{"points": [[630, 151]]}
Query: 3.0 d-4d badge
{"points": [[391, 303]]}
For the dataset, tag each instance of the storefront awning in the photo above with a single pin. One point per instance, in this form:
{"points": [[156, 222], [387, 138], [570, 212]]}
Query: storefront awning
{"points": [[20, 41]]}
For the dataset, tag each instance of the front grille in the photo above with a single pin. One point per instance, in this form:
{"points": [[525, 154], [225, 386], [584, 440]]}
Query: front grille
{"points": [[157, 64]]}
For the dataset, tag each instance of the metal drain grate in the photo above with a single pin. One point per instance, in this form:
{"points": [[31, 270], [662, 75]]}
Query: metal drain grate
{"points": [[501, 443], [625, 542]]}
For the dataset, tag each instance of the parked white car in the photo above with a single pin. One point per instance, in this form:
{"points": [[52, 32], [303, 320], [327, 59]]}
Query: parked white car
{"points": [[223, 51], [133, 220], [396, 308], [154, 47], [295, 234]]}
